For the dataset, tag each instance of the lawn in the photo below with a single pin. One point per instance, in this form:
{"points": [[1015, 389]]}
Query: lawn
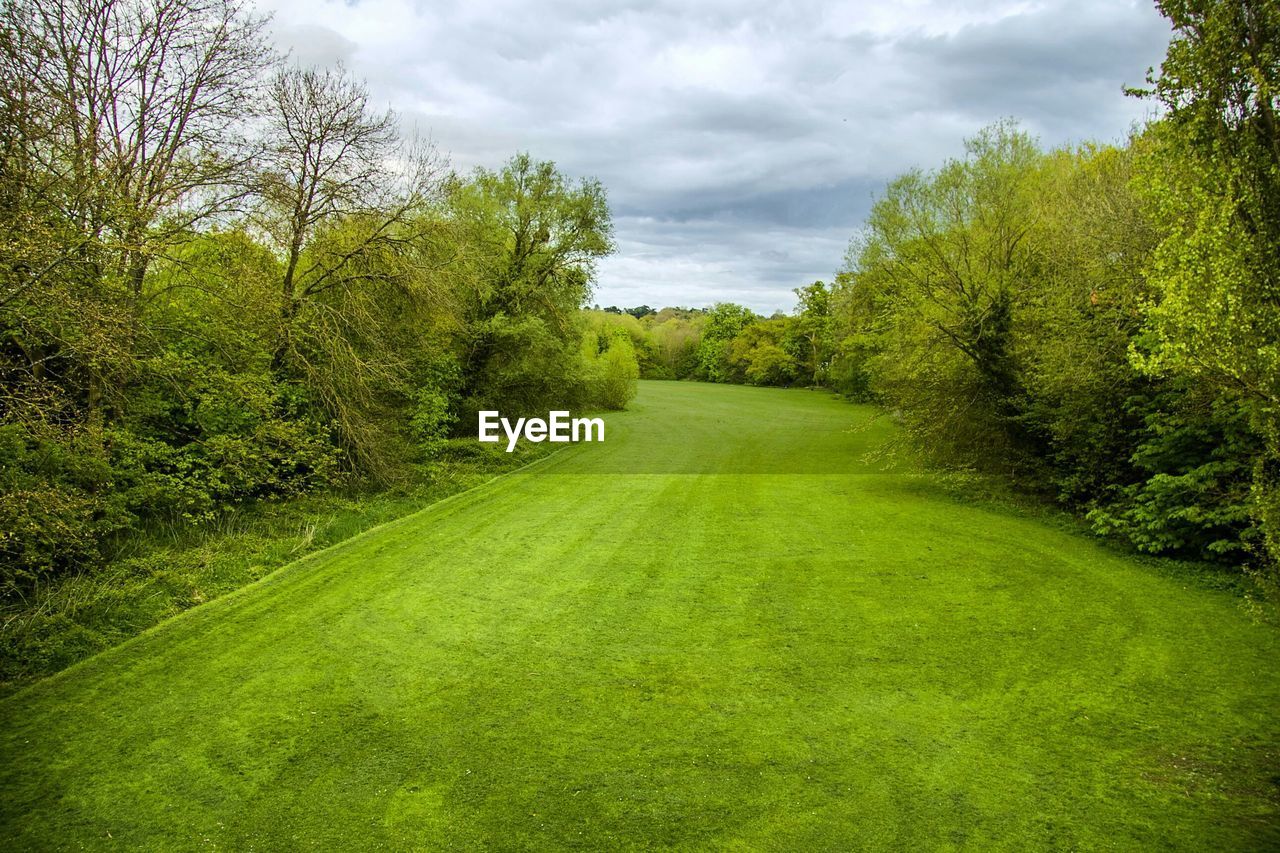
{"points": [[724, 627]]}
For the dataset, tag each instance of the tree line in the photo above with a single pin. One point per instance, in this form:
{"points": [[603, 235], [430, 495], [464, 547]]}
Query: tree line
{"points": [[727, 342], [225, 277]]}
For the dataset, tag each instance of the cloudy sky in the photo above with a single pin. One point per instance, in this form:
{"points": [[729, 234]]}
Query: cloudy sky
{"points": [[741, 142]]}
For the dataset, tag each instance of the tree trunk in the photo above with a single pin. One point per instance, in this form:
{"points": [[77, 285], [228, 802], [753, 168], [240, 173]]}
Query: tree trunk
{"points": [[288, 309]]}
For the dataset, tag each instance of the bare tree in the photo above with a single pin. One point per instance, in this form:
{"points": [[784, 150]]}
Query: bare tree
{"points": [[333, 160], [139, 107], [346, 204], [329, 158], [127, 128]]}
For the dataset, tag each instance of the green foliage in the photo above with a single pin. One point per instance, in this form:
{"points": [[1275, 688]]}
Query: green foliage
{"points": [[756, 354], [53, 518], [1211, 175], [535, 237], [1006, 309], [715, 350], [435, 401], [677, 340], [432, 418], [936, 285], [728, 342], [171, 350], [606, 326], [1084, 403], [810, 338], [1192, 464], [395, 327], [611, 373], [526, 369]]}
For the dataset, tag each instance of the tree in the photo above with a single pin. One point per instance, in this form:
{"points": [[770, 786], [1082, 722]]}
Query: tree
{"points": [[128, 119], [1084, 400], [810, 337], [611, 369], [943, 268], [540, 236], [757, 355], [345, 203], [223, 281], [1213, 181], [722, 324], [329, 167], [676, 342], [534, 237]]}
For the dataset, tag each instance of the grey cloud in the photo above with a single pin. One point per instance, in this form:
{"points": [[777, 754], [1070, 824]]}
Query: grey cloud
{"points": [[686, 263], [1060, 68], [311, 44], [842, 204], [741, 142]]}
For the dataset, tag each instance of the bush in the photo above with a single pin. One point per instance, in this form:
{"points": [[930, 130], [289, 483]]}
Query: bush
{"points": [[527, 369], [613, 375], [1192, 497], [56, 506]]}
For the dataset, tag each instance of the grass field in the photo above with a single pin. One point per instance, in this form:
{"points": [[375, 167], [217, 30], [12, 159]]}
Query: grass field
{"points": [[720, 629], [172, 567]]}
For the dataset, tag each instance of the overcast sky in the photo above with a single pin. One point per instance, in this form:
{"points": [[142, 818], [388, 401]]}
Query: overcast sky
{"points": [[741, 142]]}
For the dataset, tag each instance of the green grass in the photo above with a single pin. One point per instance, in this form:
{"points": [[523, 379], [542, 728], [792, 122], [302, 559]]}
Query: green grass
{"points": [[720, 629], [169, 568]]}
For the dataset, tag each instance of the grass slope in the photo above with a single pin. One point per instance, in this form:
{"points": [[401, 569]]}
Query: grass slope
{"points": [[719, 629], [170, 568]]}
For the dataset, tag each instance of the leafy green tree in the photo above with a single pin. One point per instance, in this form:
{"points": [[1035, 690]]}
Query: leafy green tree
{"points": [[606, 326], [999, 323], [611, 370], [757, 354], [123, 136], [161, 359], [1189, 490], [355, 235], [539, 236], [1213, 182], [534, 238], [943, 270], [1083, 400], [126, 131], [810, 337], [722, 324], [677, 342]]}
